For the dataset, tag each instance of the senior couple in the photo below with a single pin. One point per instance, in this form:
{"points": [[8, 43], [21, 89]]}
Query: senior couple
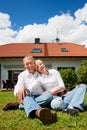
{"points": [[37, 87]]}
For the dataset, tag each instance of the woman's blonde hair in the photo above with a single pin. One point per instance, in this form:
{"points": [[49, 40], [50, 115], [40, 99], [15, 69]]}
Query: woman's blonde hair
{"points": [[36, 62]]}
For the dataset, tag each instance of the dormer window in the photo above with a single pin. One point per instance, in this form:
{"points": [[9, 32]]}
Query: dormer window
{"points": [[64, 50], [36, 50]]}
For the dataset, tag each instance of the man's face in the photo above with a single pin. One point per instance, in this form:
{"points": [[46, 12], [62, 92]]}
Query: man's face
{"points": [[29, 64]]}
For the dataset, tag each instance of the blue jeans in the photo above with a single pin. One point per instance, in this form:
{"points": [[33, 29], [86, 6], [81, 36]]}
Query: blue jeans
{"points": [[32, 103], [73, 98]]}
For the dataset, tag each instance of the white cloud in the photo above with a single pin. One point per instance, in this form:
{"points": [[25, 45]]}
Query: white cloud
{"points": [[7, 34], [4, 20], [71, 29], [81, 14]]}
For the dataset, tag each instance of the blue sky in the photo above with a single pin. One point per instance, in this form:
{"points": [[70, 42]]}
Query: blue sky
{"points": [[23, 12], [23, 20]]}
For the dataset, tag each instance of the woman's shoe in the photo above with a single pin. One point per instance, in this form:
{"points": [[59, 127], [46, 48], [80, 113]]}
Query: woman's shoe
{"points": [[71, 111]]}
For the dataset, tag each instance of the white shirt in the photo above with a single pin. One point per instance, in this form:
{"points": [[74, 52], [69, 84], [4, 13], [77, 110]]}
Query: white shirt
{"points": [[52, 80], [37, 83], [30, 82]]}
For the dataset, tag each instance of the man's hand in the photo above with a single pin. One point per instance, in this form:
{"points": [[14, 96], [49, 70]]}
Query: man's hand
{"points": [[21, 94]]}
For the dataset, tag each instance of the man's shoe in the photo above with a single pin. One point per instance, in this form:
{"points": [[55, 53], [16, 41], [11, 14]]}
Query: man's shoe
{"points": [[71, 111], [54, 117], [45, 115], [11, 106]]}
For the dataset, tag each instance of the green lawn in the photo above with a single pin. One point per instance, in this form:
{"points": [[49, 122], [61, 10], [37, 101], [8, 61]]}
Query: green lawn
{"points": [[17, 120]]}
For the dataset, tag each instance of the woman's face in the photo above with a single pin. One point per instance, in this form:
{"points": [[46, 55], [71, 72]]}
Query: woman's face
{"points": [[40, 66]]}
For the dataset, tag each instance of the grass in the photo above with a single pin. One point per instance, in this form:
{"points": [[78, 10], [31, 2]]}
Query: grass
{"points": [[17, 120]]}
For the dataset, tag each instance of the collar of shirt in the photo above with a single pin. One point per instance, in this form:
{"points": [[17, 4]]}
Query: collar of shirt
{"points": [[32, 75]]}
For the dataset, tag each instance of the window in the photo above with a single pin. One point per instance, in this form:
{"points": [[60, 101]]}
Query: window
{"points": [[64, 50], [36, 50], [48, 66], [13, 75], [59, 68]]}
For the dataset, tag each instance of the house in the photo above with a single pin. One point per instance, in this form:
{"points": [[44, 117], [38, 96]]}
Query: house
{"points": [[55, 55]]}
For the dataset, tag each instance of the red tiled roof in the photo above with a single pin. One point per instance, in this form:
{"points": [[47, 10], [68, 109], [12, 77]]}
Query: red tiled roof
{"points": [[48, 49]]}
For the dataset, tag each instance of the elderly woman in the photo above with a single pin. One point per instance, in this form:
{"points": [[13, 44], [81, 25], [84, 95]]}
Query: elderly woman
{"points": [[51, 80]]}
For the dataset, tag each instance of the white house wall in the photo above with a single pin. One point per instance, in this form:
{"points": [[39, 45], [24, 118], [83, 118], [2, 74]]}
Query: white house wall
{"points": [[51, 62], [63, 62]]}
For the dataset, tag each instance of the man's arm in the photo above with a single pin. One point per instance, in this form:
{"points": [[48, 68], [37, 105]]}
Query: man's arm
{"points": [[21, 94], [20, 91]]}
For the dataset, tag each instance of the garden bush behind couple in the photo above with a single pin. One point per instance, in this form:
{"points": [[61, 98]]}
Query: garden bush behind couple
{"points": [[38, 87]]}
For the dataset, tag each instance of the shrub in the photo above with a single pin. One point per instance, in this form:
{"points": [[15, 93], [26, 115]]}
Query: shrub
{"points": [[82, 73], [69, 77]]}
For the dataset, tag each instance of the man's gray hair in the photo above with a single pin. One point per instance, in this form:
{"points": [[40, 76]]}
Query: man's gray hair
{"points": [[28, 57]]}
